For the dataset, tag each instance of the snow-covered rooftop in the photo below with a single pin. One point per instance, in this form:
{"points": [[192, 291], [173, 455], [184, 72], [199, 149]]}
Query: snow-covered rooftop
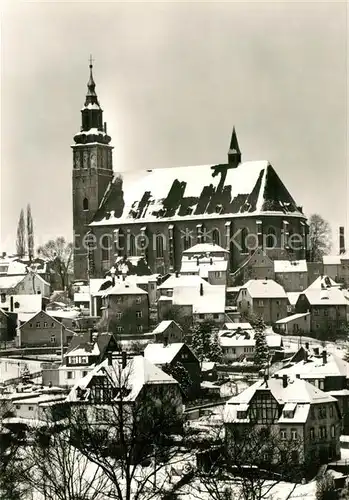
{"points": [[192, 193], [264, 289], [210, 301], [161, 354], [122, 288], [315, 368], [323, 282], [205, 248], [290, 266], [330, 297], [293, 317]]}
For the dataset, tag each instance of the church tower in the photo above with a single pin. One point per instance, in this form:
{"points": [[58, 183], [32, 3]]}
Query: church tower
{"points": [[92, 172]]}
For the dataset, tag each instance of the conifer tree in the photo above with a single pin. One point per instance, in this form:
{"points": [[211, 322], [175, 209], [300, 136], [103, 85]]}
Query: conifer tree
{"points": [[215, 352], [20, 242], [179, 373], [30, 233], [201, 339], [261, 351]]}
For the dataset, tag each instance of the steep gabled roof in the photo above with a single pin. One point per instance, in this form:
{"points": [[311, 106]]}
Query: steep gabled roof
{"points": [[195, 193]]}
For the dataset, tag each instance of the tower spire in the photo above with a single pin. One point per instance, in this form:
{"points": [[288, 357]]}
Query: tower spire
{"points": [[234, 153], [91, 96]]}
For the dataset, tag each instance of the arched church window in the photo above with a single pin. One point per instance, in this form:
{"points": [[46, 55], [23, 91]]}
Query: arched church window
{"points": [[159, 245], [187, 241], [105, 248], [132, 245], [121, 243], [216, 236], [271, 238], [243, 241], [85, 204]]}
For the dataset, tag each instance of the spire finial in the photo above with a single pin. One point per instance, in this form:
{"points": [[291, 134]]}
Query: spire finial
{"points": [[91, 61]]}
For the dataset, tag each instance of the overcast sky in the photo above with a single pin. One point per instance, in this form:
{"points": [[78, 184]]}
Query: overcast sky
{"points": [[173, 79]]}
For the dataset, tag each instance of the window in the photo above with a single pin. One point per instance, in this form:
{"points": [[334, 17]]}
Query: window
{"points": [[119, 328], [217, 274], [3, 297], [325, 312], [84, 373], [201, 316], [52, 325], [138, 314], [45, 324], [105, 248], [139, 328], [241, 414], [277, 302], [18, 407], [138, 300], [30, 325], [216, 237], [312, 433], [17, 304], [283, 433], [333, 431], [70, 375], [215, 316], [85, 204], [243, 241], [322, 412], [38, 324], [294, 434], [271, 240], [312, 412], [118, 315], [321, 385], [30, 408], [84, 360], [188, 240], [132, 245], [261, 303], [331, 411], [53, 339], [160, 245]]}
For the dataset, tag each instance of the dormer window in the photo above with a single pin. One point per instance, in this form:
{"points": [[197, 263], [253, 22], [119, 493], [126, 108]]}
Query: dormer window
{"points": [[289, 410]]}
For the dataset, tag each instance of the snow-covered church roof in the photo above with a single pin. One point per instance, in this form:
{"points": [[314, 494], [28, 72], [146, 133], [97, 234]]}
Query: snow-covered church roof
{"points": [[199, 192]]}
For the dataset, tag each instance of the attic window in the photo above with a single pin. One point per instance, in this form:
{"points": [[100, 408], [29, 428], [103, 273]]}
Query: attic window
{"points": [[241, 414], [17, 304]]}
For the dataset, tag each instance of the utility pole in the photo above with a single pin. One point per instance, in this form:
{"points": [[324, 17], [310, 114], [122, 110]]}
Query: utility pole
{"points": [[62, 337]]}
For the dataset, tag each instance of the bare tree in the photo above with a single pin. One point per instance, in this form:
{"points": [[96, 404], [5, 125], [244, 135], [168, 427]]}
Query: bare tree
{"points": [[59, 253], [11, 485], [30, 234], [319, 238], [57, 470], [20, 242], [128, 432], [249, 464]]}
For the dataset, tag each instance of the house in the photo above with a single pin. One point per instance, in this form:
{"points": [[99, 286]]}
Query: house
{"points": [[8, 324], [294, 409], [135, 387], [328, 309], [207, 260], [324, 370], [337, 267], [323, 281], [24, 304], [168, 332], [266, 298], [84, 353], [296, 324], [171, 354], [41, 329], [256, 266], [292, 275], [239, 344], [190, 299], [123, 306]]}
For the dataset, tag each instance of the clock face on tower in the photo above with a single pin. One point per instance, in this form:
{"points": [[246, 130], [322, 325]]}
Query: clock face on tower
{"points": [[93, 160], [85, 159]]}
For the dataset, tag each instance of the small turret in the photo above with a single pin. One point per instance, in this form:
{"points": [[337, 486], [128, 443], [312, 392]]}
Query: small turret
{"points": [[234, 153]]}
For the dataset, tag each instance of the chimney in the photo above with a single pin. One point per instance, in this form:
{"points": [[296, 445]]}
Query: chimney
{"points": [[298, 375], [211, 261], [3, 255], [197, 261], [266, 379], [165, 341], [201, 289], [105, 127], [124, 359], [11, 304], [90, 334], [324, 357], [307, 346], [284, 381], [177, 274], [341, 240]]}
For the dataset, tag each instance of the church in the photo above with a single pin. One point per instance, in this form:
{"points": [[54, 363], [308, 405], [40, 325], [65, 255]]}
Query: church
{"points": [[156, 214]]}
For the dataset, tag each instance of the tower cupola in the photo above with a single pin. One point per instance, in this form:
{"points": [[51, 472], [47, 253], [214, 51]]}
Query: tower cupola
{"points": [[234, 153], [92, 129]]}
